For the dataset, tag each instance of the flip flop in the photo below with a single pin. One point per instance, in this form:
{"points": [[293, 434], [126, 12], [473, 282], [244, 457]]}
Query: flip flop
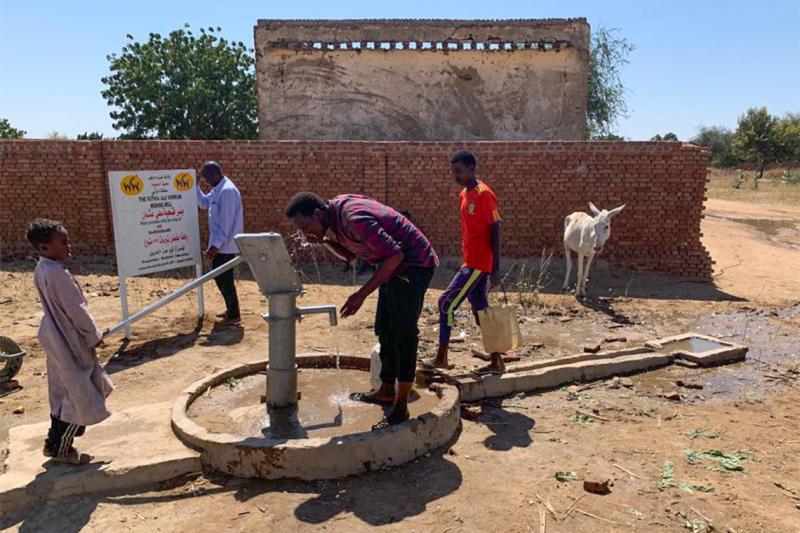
{"points": [[365, 397]]}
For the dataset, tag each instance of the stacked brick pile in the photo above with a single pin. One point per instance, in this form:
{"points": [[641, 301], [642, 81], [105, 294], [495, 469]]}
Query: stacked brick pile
{"points": [[538, 184]]}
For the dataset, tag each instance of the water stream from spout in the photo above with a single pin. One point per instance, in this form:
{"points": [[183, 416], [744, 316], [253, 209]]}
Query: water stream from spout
{"points": [[335, 340]]}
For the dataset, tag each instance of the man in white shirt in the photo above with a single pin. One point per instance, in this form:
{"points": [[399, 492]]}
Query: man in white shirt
{"points": [[225, 220]]}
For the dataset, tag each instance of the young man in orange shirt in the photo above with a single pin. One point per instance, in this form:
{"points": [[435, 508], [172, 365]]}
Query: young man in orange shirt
{"points": [[480, 244]]}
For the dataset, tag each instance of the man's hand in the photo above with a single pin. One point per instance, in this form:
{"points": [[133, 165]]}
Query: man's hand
{"points": [[352, 305], [211, 253]]}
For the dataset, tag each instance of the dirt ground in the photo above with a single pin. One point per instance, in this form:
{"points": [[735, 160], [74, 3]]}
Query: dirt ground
{"points": [[719, 450]]}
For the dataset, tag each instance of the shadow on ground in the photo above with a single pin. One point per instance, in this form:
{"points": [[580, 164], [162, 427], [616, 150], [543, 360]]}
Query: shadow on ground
{"points": [[377, 498], [511, 429]]}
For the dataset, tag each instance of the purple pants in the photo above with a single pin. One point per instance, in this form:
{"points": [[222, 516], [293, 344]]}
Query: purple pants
{"points": [[467, 283]]}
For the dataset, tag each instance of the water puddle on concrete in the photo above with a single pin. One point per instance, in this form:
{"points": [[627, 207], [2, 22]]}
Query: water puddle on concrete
{"points": [[692, 344], [324, 410], [773, 338]]}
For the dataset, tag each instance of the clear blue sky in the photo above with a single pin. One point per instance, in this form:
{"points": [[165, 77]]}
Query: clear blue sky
{"points": [[695, 63]]}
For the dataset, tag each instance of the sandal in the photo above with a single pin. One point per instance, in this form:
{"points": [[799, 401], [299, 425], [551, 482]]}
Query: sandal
{"points": [[390, 420], [367, 397]]}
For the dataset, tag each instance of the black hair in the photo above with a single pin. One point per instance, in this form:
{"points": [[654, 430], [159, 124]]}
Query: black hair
{"points": [[213, 167], [304, 203], [464, 157], [41, 231]]}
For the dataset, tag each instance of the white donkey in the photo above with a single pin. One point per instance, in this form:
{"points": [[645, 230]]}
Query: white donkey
{"points": [[586, 236]]}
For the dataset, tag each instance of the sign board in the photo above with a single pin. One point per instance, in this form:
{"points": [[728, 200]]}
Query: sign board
{"points": [[155, 224], [155, 220]]}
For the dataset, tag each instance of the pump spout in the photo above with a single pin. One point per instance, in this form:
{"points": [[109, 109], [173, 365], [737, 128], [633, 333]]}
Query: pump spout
{"points": [[319, 309]]}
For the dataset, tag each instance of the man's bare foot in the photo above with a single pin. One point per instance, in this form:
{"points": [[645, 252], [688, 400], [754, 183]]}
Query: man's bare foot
{"points": [[440, 361], [382, 396], [395, 417], [497, 366]]}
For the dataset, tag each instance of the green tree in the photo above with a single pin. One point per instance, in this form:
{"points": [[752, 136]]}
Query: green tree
{"points": [[666, 137], [756, 139], [717, 139], [184, 86], [90, 136], [7, 131], [55, 136], [608, 137], [606, 95], [788, 138]]}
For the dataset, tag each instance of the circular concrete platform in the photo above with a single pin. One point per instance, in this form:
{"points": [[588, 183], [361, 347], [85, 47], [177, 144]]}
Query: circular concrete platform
{"points": [[244, 452]]}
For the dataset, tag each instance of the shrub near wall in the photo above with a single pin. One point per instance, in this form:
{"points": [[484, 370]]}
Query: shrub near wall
{"points": [[537, 183]]}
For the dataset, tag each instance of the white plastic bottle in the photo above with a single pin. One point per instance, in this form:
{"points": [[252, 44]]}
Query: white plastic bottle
{"points": [[375, 367]]}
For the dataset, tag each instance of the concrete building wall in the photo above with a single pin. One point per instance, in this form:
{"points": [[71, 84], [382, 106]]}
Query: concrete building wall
{"points": [[537, 184], [422, 80]]}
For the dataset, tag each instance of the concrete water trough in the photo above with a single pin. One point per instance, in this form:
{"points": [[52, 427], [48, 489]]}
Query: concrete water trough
{"points": [[544, 374], [297, 420], [331, 435], [701, 349]]}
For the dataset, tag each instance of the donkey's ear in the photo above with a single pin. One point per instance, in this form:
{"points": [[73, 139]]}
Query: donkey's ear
{"points": [[615, 212], [593, 209]]}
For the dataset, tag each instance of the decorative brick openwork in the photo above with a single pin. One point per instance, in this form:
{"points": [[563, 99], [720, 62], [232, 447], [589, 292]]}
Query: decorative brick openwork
{"points": [[422, 80]]}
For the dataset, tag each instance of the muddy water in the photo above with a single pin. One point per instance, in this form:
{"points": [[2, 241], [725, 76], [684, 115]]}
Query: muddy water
{"points": [[692, 344], [770, 227], [324, 409], [773, 339], [783, 232]]}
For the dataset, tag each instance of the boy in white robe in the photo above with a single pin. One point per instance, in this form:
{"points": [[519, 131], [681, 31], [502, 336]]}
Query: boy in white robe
{"points": [[77, 384]]}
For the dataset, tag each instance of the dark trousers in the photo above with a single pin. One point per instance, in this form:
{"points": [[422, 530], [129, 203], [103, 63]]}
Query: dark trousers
{"points": [[59, 438], [400, 302], [468, 283], [226, 285]]}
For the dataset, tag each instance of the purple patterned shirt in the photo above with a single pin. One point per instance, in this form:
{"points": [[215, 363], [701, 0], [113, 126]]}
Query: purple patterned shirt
{"points": [[374, 232]]}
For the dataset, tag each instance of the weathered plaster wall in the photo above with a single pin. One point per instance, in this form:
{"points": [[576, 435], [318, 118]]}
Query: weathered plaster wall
{"points": [[378, 80]]}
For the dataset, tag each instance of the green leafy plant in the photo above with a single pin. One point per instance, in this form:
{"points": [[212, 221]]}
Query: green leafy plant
{"points": [[231, 383], [668, 481], [740, 179], [580, 418], [728, 463], [791, 177]]}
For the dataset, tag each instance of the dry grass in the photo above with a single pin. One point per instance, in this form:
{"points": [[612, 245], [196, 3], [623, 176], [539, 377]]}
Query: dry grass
{"points": [[771, 189]]}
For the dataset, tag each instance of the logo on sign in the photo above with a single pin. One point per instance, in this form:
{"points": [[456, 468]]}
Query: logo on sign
{"points": [[131, 185], [183, 182]]}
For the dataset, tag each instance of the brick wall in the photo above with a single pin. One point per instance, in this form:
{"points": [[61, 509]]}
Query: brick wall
{"points": [[537, 183]]}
